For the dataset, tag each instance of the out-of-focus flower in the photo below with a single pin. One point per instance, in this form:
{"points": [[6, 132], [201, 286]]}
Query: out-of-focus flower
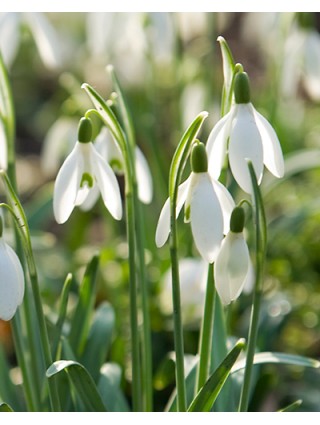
{"points": [[193, 279], [245, 134], [301, 62], [45, 37], [208, 206], [83, 171], [108, 148], [11, 280], [232, 266]]}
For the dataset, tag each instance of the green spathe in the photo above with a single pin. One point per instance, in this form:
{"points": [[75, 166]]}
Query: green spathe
{"points": [[242, 88], [237, 220], [199, 160], [85, 130]]}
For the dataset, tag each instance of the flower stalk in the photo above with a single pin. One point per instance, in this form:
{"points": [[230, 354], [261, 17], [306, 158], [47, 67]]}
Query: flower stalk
{"points": [[261, 243]]}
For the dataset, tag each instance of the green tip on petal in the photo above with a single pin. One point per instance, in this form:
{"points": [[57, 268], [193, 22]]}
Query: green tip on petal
{"points": [[242, 88], [237, 220], [199, 159], [85, 130]]}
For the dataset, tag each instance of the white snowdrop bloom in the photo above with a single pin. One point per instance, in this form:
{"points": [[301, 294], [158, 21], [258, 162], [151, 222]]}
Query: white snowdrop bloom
{"points": [[233, 265], [193, 279], [11, 280], [244, 134], [45, 37], [208, 207], [109, 150], [84, 171]]}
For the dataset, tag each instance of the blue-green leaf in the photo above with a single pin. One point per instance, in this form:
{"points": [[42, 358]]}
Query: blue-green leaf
{"points": [[82, 382], [4, 407], [208, 393], [82, 316], [109, 388], [292, 407], [99, 339], [278, 358]]}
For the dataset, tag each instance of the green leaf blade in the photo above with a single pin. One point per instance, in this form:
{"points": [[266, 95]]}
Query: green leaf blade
{"points": [[82, 382], [209, 392]]}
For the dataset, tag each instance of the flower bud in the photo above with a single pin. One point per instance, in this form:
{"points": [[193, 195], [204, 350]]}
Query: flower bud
{"points": [[237, 220], [199, 159], [242, 88], [85, 130]]}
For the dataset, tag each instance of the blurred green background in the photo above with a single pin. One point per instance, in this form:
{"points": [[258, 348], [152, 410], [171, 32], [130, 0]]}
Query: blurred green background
{"points": [[169, 66]]}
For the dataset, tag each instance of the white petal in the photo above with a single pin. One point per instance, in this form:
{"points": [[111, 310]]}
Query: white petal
{"points": [[217, 144], [67, 185], [226, 201], [205, 216], [3, 148], [11, 282], [245, 143], [163, 226], [9, 36], [109, 150], [107, 182], [144, 179], [272, 153], [91, 198], [46, 39], [231, 267]]}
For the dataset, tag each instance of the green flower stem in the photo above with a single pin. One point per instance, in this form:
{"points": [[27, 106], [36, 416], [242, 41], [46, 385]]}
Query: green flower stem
{"points": [[177, 319], [30, 397], [22, 225], [205, 343], [261, 242], [146, 352], [136, 372]]}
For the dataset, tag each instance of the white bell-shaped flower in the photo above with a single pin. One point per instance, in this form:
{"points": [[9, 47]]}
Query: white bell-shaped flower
{"points": [[11, 281], [208, 207], [250, 136], [84, 171], [233, 265]]}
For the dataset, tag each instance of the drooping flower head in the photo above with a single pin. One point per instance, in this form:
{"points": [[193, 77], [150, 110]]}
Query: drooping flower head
{"points": [[208, 206], [233, 265], [84, 171], [244, 134], [11, 280]]}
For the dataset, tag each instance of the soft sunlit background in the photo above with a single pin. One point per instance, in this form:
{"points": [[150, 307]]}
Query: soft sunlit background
{"points": [[169, 66]]}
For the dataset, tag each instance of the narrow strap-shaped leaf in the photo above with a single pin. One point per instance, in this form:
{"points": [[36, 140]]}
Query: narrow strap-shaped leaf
{"points": [[62, 314], [109, 387], [4, 407], [99, 339], [228, 72], [83, 312], [82, 382], [7, 114], [292, 407], [278, 358], [208, 393]]}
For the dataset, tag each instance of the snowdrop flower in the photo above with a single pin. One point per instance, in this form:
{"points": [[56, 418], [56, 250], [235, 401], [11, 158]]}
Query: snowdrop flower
{"points": [[233, 266], [302, 60], [109, 149], [11, 280], [208, 206], [85, 170], [45, 37], [250, 136]]}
